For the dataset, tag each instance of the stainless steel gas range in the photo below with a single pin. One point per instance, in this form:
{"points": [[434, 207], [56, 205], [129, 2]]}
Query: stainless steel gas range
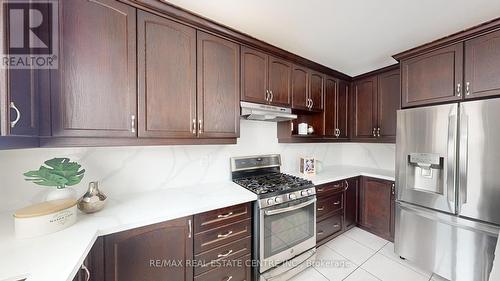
{"points": [[284, 217]]}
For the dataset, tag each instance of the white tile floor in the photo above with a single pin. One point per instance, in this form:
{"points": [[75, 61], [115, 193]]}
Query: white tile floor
{"points": [[358, 255]]}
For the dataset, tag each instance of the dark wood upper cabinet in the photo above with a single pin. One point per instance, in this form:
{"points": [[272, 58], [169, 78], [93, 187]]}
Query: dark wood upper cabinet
{"points": [[254, 74], [365, 108], [300, 91], [389, 101], [376, 209], [482, 66], [351, 203], [167, 78], [94, 90], [330, 111], [280, 77], [316, 90], [218, 87], [433, 77], [129, 253], [22, 102], [343, 109]]}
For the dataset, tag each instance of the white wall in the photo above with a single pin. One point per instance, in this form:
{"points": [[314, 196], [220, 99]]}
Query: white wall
{"points": [[135, 169]]}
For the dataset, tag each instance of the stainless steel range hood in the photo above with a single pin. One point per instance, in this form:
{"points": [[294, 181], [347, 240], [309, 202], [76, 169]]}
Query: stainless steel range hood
{"points": [[261, 112]]}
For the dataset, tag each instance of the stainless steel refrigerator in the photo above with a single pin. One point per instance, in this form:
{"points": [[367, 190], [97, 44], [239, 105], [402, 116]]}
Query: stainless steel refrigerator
{"points": [[448, 188]]}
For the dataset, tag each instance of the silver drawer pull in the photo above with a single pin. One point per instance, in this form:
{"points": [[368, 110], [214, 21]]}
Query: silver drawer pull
{"points": [[18, 114], [87, 272], [228, 278], [336, 185], [320, 189], [321, 208], [336, 225], [320, 232], [225, 235], [336, 203], [225, 254], [225, 215]]}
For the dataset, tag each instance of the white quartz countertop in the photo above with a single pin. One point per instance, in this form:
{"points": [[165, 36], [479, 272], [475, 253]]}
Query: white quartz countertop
{"points": [[58, 256], [335, 173]]}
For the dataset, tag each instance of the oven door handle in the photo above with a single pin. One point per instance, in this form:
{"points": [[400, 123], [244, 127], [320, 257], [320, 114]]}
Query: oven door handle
{"points": [[291, 208]]}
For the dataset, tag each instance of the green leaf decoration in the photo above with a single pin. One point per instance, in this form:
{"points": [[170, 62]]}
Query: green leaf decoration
{"points": [[58, 172]]}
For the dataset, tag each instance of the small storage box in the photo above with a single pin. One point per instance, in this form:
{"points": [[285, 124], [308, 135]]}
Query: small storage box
{"points": [[45, 218], [307, 166]]}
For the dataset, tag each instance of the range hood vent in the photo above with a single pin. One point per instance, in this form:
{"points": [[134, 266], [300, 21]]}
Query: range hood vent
{"points": [[261, 112]]}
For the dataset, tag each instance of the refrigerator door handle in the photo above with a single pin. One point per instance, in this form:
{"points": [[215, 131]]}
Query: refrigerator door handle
{"points": [[451, 163], [463, 154]]}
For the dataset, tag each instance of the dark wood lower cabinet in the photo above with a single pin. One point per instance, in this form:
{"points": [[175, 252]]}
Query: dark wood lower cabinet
{"points": [[328, 227], [93, 265], [377, 207], [351, 203], [155, 252]]}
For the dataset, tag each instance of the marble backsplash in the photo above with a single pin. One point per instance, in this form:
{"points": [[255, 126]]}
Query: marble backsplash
{"points": [[135, 169]]}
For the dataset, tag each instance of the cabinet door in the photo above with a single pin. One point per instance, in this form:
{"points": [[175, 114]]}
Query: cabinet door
{"points": [[138, 254], [482, 66], [300, 86], [343, 110], [375, 206], [351, 203], [254, 73], [22, 102], [218, 87], [94, 89], [365, 107], [330, 111], [94, 263], [167, 75], [280, 77], [389, 99], [433, 77], [316, 90]]}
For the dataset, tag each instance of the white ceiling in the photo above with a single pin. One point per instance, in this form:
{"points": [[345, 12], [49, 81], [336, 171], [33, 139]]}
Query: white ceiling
{"points": [[351, 36]]}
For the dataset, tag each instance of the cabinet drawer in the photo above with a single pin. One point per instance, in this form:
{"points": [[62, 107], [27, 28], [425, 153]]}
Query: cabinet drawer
{"points": [[328, 227], [220, 217], [328, 189], [229, 251], [234, 270], [219, 236], [329, 205]]}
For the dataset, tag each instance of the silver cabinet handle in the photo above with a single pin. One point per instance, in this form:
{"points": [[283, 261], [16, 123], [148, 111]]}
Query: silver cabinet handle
{"points": [[225, 215], [312, 103], [272, 96], [320, 232], [467, 88], [321, 208], [18, 114], [336, 203], [290, 208], [374, 132], [393, 189], [267, 96], [190, 226], [194, 126], [346, 185], [228, 278], [225, 254], [336, 225], [378, 132], [132, 123], [225, 235], [459, 89], [200, 126], [87, 272]]}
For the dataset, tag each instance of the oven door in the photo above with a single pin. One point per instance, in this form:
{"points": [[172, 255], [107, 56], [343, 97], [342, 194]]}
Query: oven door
{"points": [[286, 230]]}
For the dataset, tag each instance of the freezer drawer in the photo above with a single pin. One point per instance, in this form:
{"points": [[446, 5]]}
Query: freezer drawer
{"points": [[455, 248], [426, 156]]}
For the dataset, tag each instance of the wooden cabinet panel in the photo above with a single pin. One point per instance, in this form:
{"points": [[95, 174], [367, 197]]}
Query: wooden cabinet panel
{"points": [[280, 74], [218, 87], [94, 89], [23, 102], [328, 227], [167, 75], [330, 112], [327, 189], [316, 90], [351, 203], [300, 77], [254, 69], [432, 77], [365, 107], [375, 206], [216, 218], [131, 255], [236, 270], [389, 100], [482, 66], [343, 109]]}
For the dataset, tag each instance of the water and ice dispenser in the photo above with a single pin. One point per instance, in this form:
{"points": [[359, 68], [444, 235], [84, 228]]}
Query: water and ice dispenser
{"points": [[425, 172]]}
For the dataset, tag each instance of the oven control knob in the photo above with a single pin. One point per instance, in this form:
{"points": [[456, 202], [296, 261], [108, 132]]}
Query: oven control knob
{"points": [[277, 200], [292, 196], [270, 201], [304, 193], [309, 191]]}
